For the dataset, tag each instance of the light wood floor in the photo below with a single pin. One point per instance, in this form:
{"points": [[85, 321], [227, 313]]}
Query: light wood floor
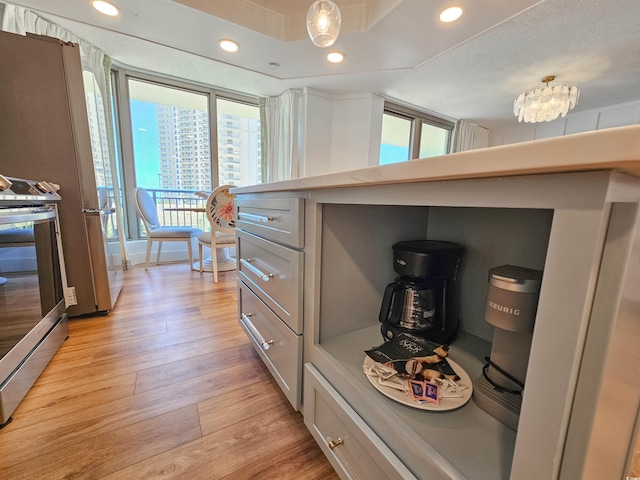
{"points": [[165, 386]]}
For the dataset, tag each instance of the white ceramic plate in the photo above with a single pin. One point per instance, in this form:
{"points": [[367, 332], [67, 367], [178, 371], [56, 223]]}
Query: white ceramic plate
{"points": [[445, 403]]}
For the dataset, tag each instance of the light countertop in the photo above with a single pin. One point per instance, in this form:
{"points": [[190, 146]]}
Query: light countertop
{"points": [[611, 149]]}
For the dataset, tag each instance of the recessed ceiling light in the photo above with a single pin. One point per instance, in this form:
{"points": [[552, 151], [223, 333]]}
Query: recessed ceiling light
{"points": [[450, 14], [106, 8], [228, 45], [335, 57]]}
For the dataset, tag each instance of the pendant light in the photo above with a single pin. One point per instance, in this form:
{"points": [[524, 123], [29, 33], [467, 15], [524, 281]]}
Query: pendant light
{"points": [[323, 23]]}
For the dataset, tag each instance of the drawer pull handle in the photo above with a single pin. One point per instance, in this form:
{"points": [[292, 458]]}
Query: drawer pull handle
{"points": [[265, 344], [333, 444], [263, 276], [255, 218], [341, 458]]}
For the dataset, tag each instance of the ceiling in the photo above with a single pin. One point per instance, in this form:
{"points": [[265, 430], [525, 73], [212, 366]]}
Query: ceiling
{"points": [[471, 69]]}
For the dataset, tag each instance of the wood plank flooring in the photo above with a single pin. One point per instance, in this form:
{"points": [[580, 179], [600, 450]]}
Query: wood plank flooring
{"points": [[165, 386]]}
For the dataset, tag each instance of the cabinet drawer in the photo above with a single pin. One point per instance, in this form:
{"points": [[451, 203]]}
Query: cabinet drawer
{"points": [[353, 449], [274, 273], [278, 219], [277, 345]]}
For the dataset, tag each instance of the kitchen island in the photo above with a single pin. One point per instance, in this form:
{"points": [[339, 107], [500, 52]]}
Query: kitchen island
{"points": [[568, 206]]}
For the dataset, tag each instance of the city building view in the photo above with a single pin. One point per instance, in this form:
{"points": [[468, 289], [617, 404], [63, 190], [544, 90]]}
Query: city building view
{"points": [[172, 156], [184, 148]]}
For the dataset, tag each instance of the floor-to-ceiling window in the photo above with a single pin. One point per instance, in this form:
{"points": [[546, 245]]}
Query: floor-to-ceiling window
{"points": [[171, 148], [107, 173], [170, 131], [239, 149], [179, 141]]}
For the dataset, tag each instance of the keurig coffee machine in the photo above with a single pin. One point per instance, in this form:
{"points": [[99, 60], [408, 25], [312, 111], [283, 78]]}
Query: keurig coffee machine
{"points": [[420, 300], [512, 302]]}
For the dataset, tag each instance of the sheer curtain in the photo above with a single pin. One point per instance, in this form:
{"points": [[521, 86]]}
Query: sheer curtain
{"points": [[281, 129], [469, 136]]}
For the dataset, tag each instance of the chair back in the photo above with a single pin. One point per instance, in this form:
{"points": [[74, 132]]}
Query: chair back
{"points": [[146, 208], [220, 209]]}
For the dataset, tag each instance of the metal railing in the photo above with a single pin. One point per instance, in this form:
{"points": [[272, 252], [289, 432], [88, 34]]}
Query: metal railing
{"points": [[164, 199], [167, 198]]}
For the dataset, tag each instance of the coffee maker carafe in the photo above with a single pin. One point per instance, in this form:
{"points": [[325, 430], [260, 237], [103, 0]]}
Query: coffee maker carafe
{"points": [[420, 300]]}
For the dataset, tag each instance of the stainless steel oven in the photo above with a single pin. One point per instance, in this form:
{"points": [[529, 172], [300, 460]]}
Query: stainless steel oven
{"points": [[33, 319]]}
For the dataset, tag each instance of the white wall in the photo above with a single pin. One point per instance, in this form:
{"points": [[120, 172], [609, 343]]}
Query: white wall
{"points": [[357, 130], [315, 119], [340, 132], [599, 119]]}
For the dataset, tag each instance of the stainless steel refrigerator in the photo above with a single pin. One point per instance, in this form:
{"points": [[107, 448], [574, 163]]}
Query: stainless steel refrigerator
{"points": [[45, 135]]}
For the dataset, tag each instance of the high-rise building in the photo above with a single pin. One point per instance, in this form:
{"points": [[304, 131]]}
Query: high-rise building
{"points": [[183, 137], [98, 132], [185, 164], [239, 150]]}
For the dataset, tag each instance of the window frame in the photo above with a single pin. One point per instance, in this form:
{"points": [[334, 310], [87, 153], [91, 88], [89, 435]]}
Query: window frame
{"points": [[121, 92], [417, 118]]}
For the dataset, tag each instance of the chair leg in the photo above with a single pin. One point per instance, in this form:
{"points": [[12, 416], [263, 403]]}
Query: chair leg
{"points": [[200, 255], [190, 254], [214, 261], [158, 256], [146, 262]]}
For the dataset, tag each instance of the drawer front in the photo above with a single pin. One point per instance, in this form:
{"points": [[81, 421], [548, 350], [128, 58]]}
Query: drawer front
{"points": [[275, 274], [277, 219], [353, 449], [277, 345]]}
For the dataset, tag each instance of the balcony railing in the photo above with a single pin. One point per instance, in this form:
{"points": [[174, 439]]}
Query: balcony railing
{"points": [[165, 199], [168, 199]]}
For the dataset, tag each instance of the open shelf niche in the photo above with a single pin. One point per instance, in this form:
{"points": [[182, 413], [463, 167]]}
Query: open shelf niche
{"points": [[357, 252]]}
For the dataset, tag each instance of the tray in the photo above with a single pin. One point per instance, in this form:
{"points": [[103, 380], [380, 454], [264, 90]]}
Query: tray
{"points": [[445, 403]]}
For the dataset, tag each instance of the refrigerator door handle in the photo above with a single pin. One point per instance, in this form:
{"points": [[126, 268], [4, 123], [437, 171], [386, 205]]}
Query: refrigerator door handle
{"points": [[95, 212]]}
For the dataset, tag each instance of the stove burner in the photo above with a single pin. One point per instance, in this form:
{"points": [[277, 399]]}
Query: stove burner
{"points": [[18, 192]]}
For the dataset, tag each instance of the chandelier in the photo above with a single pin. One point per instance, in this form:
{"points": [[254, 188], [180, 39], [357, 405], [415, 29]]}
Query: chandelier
{"points": [[544, 104], [323, 23]]}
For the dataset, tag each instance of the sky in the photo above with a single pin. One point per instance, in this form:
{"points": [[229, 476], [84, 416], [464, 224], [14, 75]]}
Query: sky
{"points": [[145, 143], [393, 154]]}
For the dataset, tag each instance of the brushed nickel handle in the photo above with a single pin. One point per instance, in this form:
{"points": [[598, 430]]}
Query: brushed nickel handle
{"points": [[266, 344], [333, 444], [265, 277], [93, 212], [255, 218]]}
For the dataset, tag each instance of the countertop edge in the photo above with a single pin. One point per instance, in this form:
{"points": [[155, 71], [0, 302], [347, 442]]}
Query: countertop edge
{"points": [[610, 149]]}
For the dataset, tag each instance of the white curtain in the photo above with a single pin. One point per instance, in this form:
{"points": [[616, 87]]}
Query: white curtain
{"points": [[22, 21], [469, 136], [281, 115]]}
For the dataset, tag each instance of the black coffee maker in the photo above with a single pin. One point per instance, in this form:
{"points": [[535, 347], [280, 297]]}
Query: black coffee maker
{"points": [[420, 301]]}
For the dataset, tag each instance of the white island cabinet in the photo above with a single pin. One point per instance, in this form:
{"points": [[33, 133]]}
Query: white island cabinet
{"points": [[533, 205]]}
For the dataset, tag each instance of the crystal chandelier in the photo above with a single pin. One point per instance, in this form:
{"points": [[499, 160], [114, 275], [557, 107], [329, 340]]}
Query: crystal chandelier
{"points": [[323, 23], [544, 104]]}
